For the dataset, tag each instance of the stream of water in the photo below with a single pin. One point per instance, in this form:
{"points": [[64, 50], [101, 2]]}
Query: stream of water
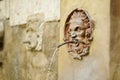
{"points": [[51, 63], [52, 59]]}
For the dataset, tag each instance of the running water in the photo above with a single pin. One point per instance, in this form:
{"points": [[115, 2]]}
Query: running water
{"points": [[52, 59], [50, 65]]}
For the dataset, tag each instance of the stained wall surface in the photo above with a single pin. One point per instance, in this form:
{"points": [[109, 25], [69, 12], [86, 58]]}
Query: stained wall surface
{"points": [[4, 9], [22, 64], [17, 62], [21, 9], [95, 66], [115, 40], [18, 11]]}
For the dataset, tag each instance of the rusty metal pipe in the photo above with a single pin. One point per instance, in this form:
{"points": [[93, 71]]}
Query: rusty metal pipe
{"points": [[67, 42]]}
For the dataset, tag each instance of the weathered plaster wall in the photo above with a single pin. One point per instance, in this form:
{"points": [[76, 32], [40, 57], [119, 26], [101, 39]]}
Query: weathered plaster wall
{"points": [[18, 62], [38, 61], [14, 54], [95, 66], [21, 9], [4, 9], [115, 40], [18, 10], [21, 64], [1, 66]]}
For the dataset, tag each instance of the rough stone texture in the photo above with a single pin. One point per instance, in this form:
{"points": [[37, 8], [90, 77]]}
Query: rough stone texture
{"points": [[16, 63], [38, 61], [14, 67], [95, 66], [19, 11], [115, 40], [50, 41], [21, 64], [4, 9], [1, 66], [36, 65], [34, 32]]}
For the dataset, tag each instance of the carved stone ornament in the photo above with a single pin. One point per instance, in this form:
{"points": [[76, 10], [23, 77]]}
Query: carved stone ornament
{"points": [[34, 32], [78, 28]]}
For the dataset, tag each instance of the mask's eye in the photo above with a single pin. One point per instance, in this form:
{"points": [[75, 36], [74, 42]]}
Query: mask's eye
{"points": [[77, 28]]}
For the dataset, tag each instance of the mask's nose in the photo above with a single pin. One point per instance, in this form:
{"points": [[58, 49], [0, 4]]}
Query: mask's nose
{"points": [[73, 34]]}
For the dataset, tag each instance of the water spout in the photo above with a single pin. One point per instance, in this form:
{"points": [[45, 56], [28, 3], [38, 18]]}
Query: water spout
{"points": [[53, 57]]}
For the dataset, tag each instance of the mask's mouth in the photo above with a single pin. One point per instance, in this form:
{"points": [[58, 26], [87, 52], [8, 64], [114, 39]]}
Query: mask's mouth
{"points": [[27, 42], [29, 45]]}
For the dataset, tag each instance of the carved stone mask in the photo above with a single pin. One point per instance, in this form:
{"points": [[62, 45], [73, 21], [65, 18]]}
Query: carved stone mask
{"points": [[78, 28], [33, 39]]}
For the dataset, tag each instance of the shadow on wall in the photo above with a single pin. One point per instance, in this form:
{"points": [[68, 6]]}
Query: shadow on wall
{"points": [[115, 40], [1, 34]]}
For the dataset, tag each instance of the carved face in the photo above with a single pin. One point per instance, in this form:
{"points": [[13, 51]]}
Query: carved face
{"points": [[31, 38], [31, 35], [78, 28]]}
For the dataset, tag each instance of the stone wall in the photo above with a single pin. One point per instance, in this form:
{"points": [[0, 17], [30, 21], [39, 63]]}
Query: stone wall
{"points": [[19, 11], [115, 40], [4, 9], [94, 66], [17, 62], [22, 64]]}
